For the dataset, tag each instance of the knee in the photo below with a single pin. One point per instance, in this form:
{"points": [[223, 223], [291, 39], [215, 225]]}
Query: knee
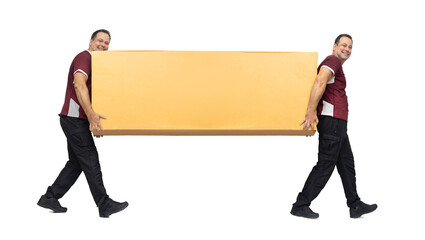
{"points": [[73, 165]]}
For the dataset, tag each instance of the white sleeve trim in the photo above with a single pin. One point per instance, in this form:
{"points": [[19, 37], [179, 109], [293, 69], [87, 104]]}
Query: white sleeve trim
{"points": [[329, 69], [81, 71]]}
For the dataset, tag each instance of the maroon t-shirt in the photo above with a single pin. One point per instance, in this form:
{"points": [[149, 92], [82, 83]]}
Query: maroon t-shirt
{"points": [[72, 107], [334, 101]]}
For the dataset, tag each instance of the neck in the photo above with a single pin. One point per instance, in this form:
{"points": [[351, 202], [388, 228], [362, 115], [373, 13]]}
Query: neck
{"points": [[342, 60]]}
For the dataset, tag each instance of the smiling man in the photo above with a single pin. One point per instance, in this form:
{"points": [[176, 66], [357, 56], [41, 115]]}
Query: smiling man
{"points": [[77, 118], [328, 108]]}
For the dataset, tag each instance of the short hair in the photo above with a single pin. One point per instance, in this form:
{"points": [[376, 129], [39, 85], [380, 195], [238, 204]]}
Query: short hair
{"points": [[342, 35], [93, 36]]}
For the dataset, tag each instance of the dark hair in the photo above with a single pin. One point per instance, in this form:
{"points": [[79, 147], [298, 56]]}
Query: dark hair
{"points": [[342, 35], [93, 36]]}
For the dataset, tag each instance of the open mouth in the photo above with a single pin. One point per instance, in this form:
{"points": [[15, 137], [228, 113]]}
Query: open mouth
{"points": [[346, 53]]}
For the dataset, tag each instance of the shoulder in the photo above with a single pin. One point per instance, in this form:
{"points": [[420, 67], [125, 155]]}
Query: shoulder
{"points": [[332, 62], [333, 59], [82, 62], [83, 56]]}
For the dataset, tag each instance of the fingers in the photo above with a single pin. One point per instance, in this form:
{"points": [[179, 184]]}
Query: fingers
{"points": [[307, 125], [96, 127], [99, 126]]}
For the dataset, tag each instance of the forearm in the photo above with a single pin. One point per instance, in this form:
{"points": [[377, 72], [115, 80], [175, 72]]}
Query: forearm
{"points": [[318, 90], [83, 97], [315, 96]]}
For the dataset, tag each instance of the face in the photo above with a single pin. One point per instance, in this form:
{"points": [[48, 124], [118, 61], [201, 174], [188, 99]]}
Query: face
{"points": [[100, 43], [343, 49]]}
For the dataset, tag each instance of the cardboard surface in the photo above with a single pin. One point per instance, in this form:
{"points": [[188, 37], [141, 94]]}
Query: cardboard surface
{"points": [[202, 93]]}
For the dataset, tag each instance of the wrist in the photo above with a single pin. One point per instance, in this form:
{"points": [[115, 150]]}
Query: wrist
{"points": [[311, 113], [90, 114]]}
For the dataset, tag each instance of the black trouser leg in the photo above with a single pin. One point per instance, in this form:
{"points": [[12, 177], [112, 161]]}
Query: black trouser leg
{"points": [[67, 177], [334, 150], [83, 157], [347, 173]]}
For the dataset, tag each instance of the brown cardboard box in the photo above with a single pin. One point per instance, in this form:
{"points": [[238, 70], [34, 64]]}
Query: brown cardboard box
{"points": [[202, 93]]}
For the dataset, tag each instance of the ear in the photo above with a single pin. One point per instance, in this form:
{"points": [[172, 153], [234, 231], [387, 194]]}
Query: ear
{"points": [[90, 43]]}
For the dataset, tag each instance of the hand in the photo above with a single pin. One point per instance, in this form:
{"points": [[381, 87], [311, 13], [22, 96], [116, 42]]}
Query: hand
{"points": [[309, 121], [94, 120]]}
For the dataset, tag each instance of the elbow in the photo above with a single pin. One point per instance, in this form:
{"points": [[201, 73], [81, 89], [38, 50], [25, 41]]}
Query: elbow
{"points": [[78, 87], [320, 83]]}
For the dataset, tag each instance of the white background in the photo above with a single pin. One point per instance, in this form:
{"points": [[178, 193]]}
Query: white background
{"points": [[219, 187]]}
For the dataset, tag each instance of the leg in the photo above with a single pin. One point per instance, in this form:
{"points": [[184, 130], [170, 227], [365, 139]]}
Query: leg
{"points": [[72, 169], [329, 146], [67, 177], [347, 173], [64, 181], [82, 145], [85, 150]]}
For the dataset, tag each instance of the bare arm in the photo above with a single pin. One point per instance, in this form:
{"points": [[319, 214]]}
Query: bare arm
{"points": [[84, 98], [316, 94]]}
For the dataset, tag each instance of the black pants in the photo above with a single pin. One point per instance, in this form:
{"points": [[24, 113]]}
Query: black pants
{"points": [[83, 157], [334, 150]]}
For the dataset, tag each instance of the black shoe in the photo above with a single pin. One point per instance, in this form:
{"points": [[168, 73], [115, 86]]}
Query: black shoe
{"points": [[304, 211], [52, 204], [109, 207], [362, 208]]}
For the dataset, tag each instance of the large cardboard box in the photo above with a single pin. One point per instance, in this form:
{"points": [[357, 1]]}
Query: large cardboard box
{"points": [[202, 93]]}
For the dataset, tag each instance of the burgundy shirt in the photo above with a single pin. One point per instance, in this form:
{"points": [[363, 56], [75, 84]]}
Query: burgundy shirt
{"points": [[71, 106], [334, 101]]}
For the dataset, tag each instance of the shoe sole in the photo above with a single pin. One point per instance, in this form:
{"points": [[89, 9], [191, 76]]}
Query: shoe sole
{"points": [[358, 216], [50, 208], [124, 206], [300, 215]]}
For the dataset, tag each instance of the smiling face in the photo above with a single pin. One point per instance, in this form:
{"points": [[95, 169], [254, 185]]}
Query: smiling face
{"points": [[100, 43], [343, 48]]}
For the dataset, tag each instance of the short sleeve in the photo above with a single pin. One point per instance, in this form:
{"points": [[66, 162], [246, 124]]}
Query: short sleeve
{"points": [[332, 63], [82, 63]]}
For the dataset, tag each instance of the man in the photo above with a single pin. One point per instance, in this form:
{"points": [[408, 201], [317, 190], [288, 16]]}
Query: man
{"points": [[328, 108], [77, 118]]}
